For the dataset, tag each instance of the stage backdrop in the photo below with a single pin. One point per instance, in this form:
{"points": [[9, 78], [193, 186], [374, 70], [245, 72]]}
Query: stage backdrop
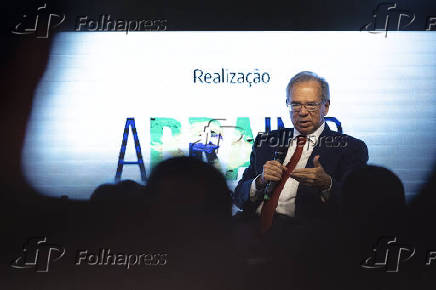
{"points": [[110, 98]]}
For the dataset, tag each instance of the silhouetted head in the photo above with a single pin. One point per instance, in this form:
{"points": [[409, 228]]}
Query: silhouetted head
{"points": [[125, 192], [121, 200], [186, 186], [373, 194], [422, 210]]}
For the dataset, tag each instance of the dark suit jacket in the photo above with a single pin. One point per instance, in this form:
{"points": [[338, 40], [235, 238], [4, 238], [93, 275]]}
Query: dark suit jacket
{"points": [[339, 153]]}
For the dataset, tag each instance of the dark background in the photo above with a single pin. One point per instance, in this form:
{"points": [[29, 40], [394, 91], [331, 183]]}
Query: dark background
{"points": [[235, 15], [22, 212]]}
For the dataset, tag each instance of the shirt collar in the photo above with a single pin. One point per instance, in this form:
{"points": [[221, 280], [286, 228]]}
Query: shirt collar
{"points": [[313, 138]]}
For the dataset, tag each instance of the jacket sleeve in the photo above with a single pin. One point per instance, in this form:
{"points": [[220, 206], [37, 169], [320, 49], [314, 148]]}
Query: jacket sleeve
{"points": [[355, 157], [241, 196]]}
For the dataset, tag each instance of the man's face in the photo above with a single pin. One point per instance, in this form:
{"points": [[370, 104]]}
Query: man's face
{"points": [[309, 92]]}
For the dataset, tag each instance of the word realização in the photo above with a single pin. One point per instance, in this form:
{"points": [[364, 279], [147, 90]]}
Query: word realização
{"points": [[229, 77]]}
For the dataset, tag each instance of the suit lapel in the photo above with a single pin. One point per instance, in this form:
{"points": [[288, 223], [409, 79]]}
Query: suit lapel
{"points": [[317, 150]]}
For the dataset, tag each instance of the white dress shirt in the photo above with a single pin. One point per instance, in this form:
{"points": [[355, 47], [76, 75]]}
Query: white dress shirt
{"points": [[286, 203]]}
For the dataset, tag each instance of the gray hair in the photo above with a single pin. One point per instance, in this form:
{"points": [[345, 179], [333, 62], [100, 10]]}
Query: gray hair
{"points": [[305, 76]]}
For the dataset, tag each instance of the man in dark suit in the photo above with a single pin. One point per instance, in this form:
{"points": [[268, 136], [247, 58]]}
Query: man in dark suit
{"points": [[308, 181]]}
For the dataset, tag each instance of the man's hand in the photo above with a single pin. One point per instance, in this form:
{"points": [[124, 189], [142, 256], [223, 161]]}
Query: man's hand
{"points": [[272, 171], [313, 176]]}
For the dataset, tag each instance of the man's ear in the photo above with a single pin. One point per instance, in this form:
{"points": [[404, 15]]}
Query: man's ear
{"points": [[326, 107]]}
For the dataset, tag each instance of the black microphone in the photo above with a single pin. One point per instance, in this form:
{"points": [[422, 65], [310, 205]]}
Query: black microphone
{"points": [[279, 155]]}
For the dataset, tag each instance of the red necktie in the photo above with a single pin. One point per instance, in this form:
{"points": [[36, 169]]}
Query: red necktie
{"points": [[269, 206]]}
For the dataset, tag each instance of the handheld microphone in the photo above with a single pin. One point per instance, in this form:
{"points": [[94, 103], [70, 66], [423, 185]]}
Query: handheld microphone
{"points": [[279, 155]]}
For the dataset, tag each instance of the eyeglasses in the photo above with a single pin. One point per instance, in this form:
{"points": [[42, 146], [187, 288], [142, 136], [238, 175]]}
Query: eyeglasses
{"points": [[296, 107]]}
